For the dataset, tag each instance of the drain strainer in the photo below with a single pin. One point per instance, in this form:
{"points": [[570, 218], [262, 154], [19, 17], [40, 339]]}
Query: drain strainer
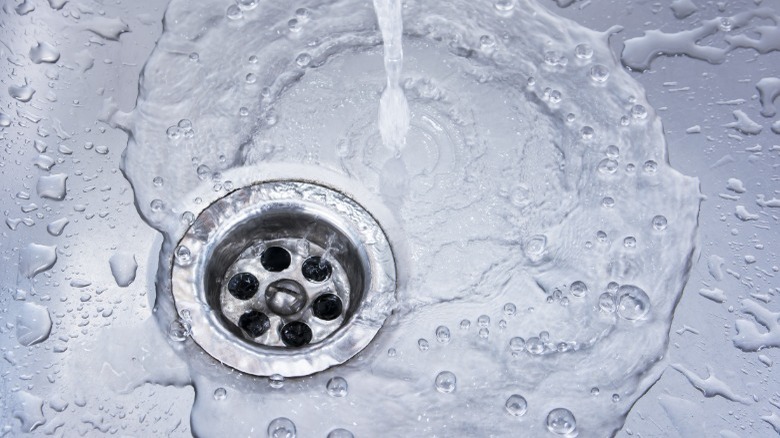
{"points": [[284, 277]]}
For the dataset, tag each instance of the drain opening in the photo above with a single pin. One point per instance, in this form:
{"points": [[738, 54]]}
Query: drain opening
{"points": [[285, 278]]}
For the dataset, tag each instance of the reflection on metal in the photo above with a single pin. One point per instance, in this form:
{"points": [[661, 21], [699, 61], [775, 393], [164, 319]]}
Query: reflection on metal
{"points": [[285, 278]]}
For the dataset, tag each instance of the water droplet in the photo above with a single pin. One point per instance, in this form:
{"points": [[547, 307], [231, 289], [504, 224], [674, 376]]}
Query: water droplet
{"points": [[583, 51], [510, 309], [608, 202], [188, 217], [340, 433], [233, 12], [487, 41], [594, 391], [601, 236], [534, 345], [251, 78], [391, 352], [504, 5], [726, 24], [123, 267], [5, 120], [629, 242], [243, 111], [484, 332], [183, 256], [445, 382], [659, 222], [587, 133], [22, 93], [443, 334], [517, 344], [423, 344], [156, 205], [516, 405], [650, 166], [465, 324], [194, 57], [179, 330], [483, 321], [44, 52], [173, 133], [220, 394], [561, 421], [615, 398], [303, 60], [247, 5], [599, 73], [281, 428], [578, 289], [613, 152], [35, 258], [633, 303], [612, 287], [639, 112], [337, 387], [294, 25], [52, 186], [33, 324], [276, 381], [253, 59]]}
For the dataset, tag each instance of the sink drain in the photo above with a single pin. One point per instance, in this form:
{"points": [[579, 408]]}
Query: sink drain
{"points": [[285, 278]]}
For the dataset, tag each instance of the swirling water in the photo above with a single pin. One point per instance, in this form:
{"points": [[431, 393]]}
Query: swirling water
{"points": [[533, 177]]}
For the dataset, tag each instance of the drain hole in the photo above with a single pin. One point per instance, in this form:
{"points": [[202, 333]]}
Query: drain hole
{"points": [[275, 259], [316, 269], [296, 334], [327, 307], [254, 323], [243, 285]]}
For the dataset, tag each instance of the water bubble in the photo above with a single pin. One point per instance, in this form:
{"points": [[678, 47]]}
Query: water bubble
{"points": [[534, 345], [599, 73], [502, 324], [303, 59], [544, 336], [156, 205], [650, 166], [607, 302], [613, 152], [276, 381], [531, 81], [483, 321], [233, 12], [340, 433], [220, 394], [253, 59], [173, 132], [601, 236], [247, 5], [570, 117], [194, 57], [583, 51], [504, 5], [624, 121], [443, 334], [391, 352], [534, 248], [517, 344], [565, 301], [555, 96], [183, 255], [578, 289], [243, 111], [157, 181], [188, 217], [633, 303], [302, 13], [587, 132], [510, 309], [281, 428], [487, 41], [203, 172], [465, 324], [615, 398], [629, 242], [445, 382], [251, 78], [608, 202], [594, 391], [552, 57], [179, 330], [294, 25], [607, 166], [659, 222], [561, 421], [423, 344], [337, 387], [484, 332], [516, 405], [639, 112]]}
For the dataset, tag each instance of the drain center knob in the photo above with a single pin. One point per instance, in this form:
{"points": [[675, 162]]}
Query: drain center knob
{"points": [[285, 297]]}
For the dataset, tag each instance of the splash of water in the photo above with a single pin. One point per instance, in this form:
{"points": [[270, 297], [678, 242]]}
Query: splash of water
{"points": [[394, 116]]}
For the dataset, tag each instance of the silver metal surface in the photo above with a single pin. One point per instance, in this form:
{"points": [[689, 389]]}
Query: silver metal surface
{"points": [[305, 220]]}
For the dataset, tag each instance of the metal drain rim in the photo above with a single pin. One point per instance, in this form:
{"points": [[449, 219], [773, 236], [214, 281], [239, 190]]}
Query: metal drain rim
{"points": [[217, 221]]}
